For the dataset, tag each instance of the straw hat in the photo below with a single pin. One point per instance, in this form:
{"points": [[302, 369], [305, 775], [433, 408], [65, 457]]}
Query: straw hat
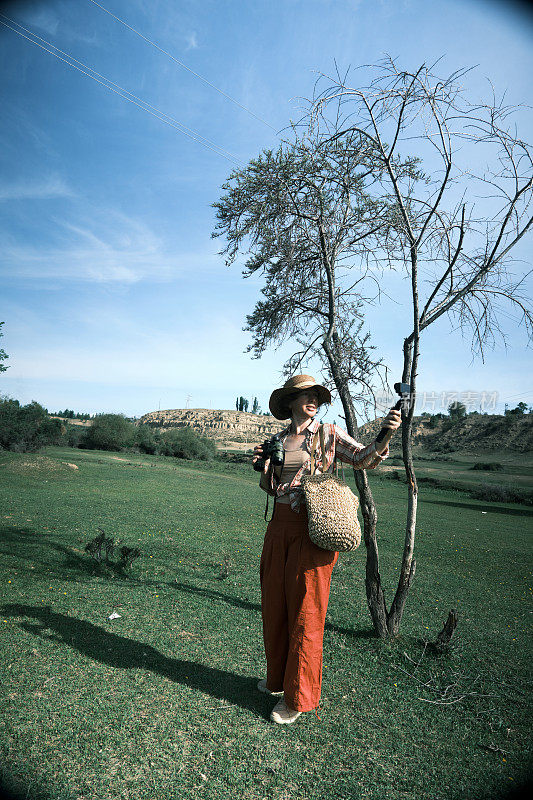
{"points": [[278, 399]]}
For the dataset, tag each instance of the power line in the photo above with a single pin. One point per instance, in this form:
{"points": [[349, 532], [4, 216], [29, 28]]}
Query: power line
{"points": [[181, 64], [124, 93], [516, 396]]}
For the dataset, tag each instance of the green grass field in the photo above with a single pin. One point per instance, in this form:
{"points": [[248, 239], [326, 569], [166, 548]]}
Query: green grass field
{"points": [[161, 702], [454, 471]]}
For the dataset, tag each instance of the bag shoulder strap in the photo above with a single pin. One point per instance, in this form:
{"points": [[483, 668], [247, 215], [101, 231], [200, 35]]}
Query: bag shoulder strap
{"points": [[313, 448], [322, 447], [319, 434]]}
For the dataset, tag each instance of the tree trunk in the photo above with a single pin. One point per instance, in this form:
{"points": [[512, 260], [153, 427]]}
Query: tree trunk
{"points": [[408, 567], [374, 591], [444, 638]]}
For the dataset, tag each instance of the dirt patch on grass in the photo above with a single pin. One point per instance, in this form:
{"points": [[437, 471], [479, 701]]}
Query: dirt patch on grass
{"points": [[36, 465]]}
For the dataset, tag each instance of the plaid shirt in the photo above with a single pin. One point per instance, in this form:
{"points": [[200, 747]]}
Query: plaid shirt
{"points": [[337, 444]]}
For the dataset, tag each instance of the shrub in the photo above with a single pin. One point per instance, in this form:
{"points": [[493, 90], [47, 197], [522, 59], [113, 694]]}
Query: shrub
{"points": [[236, 458], [73, 435], [433, 482], [108, 432], [186, 443], [499, 493], [395, 461], [148, 440], [102, 549], [457, 411], [27, 428], [488, 466], [128, 556], [520, 409]]}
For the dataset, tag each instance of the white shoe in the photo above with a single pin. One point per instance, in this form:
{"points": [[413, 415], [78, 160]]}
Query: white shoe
{"points": [[284, 715], [262, 686]]}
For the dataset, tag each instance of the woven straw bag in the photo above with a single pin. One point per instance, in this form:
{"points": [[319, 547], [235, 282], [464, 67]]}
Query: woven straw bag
{"points": [[331, 507]]}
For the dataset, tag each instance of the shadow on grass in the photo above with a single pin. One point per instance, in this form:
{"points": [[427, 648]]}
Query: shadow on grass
{"points": [[214, 594], [237, 602], [490, 507], [29, 544], [123, 653]]}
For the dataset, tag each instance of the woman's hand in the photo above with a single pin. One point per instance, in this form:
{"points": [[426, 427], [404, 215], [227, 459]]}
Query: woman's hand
{"points": [[258, 453], [392, 421]]}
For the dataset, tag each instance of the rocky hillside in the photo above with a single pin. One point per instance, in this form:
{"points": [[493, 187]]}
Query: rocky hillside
{"points": [[242, 430], [477, 432], [235, 429]]}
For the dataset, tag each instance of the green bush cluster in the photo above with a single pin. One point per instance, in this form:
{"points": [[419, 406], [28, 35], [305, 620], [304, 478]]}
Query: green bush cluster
{"points": [[102, 548], [108, 432], [500, 493], [115, 432], [186, 443], [27, 428], [68, 413], [73, 435], [178, 442], [488, 466]]}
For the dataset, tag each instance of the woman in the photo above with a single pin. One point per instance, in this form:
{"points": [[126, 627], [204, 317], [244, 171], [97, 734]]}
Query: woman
{"points": [[295, 573]]}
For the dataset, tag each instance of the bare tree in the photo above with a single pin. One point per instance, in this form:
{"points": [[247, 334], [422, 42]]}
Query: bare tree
{"points": [[451, 228], [305, 216]]}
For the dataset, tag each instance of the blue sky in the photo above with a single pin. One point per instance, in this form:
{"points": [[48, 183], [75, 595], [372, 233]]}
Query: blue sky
{"points": [[113, 295]]}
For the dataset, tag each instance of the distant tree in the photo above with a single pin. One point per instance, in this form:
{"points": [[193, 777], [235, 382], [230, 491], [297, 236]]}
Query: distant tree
{"points": [[108, 432], [147, 439], [3, 354], [520, 409], [242, 404], [73, 435], [187, 443], [457, 411], [256, 408], [434, 420], [26, 428]]}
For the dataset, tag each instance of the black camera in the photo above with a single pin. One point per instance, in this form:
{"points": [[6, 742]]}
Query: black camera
{"points": [[272, 449]]}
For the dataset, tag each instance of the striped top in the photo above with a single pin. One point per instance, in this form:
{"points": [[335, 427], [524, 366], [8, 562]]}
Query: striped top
{"points": [[338, 445]]}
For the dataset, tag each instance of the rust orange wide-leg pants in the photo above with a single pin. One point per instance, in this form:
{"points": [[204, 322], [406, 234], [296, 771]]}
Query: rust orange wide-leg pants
{"points": [[295, 581]]}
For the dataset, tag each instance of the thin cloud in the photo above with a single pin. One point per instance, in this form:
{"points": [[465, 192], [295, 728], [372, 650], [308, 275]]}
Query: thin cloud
{"points": [[166, 357], [44, 19], [47, 189], [192, 41], [108, 247], [48, 22]]}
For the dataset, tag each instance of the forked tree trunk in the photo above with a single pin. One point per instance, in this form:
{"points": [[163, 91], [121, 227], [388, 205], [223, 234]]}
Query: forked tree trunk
{"points": [[386, 623], [374, 591]]}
